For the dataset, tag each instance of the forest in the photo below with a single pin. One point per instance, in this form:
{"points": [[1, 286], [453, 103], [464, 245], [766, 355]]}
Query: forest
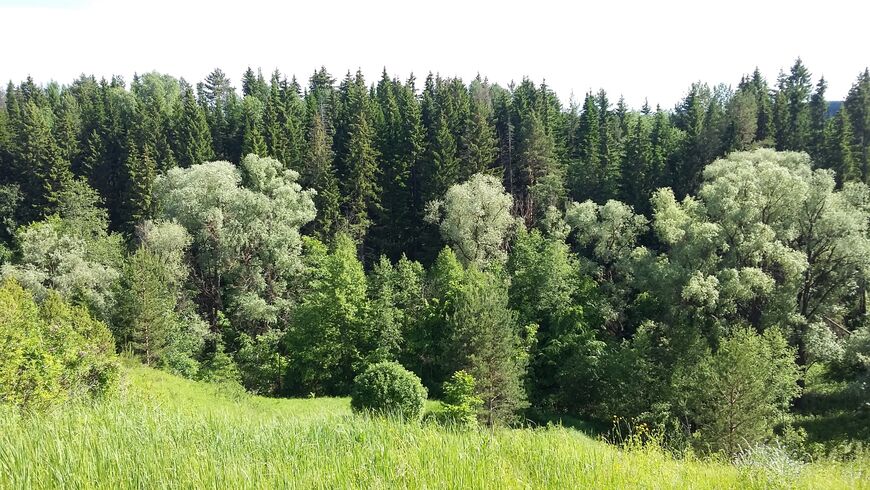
{"points": [[693, 277]]}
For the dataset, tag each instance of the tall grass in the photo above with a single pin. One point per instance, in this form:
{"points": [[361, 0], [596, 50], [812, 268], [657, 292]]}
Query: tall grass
{"points": [[164, 432]]}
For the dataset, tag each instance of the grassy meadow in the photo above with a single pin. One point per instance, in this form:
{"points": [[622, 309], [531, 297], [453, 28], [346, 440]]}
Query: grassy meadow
{"points": [[167, 432]]}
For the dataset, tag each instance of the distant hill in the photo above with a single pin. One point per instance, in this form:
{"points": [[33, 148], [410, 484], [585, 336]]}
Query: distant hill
{"points": [[834, 107]]}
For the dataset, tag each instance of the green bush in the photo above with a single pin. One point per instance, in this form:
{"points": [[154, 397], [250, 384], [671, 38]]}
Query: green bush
{"points": [[387, 388], [51, 352], [461, 405]]}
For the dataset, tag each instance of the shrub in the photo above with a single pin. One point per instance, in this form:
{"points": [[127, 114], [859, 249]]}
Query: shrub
{"points": [[51, 352], [387, 388], [461, 405]]}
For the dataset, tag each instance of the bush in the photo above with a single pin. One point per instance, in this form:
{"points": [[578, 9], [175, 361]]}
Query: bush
{"points": [[461, 405], [387, 388], [51, 352]]}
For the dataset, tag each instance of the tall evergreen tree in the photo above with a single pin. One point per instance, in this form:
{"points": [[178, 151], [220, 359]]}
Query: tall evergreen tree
{"points": [[585, 171], [636, 176], [478, 142], [319, 174], [792, 111], [839, 154], [219, 99], [858, 105], [818, 119], [253, 140], [608, 153], [193, 144], [544, 174], [42, 171]]}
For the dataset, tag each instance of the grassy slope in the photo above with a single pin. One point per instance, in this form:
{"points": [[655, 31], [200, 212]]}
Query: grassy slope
{"points": [[168, 432]]}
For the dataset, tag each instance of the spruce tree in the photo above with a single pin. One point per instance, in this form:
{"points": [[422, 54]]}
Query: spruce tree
{"points": [[319, 174], [636, 176], [141, 171], [585, 170], [839, 150], [858, 105], [217, 96], [764, 126], [42, 171], [818, 119], [252, 127], [193, 144], [608, 153], [792, 112], [274, 122], [478, 142]]}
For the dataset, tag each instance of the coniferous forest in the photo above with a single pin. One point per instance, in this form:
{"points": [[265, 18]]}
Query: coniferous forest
{"points": [[691, 277]]}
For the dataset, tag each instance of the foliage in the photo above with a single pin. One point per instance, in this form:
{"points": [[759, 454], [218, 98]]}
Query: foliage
{"points": [[71, 253], [476, 219], [387, 388], [52, 352], [737, 394], [460, 404], [244, 224]]}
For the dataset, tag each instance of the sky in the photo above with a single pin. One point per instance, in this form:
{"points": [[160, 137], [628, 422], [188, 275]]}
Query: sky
{"points": [[640, 49]]}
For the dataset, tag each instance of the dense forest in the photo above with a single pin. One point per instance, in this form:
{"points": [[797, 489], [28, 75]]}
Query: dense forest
{"points": [[684, 268]]}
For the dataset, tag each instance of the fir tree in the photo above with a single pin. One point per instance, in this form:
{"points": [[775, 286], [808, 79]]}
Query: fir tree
{"points": [[319, 174], [818, 118], [193, 144], [858, 105], [39, 162], [478, 142], [839, 155], [585, 171]]}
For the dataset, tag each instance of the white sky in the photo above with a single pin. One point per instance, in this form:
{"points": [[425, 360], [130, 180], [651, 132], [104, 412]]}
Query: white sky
{"points": [[640, 49]]}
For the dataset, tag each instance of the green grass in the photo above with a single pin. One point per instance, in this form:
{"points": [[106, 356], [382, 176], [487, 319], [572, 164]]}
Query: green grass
{"points": [[166, 432]]}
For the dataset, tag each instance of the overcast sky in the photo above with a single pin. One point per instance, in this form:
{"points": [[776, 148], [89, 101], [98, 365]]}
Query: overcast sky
{"points": [[640, 49]]}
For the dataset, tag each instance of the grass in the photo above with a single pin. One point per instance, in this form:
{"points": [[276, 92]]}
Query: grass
{"points": [[166, 432]]}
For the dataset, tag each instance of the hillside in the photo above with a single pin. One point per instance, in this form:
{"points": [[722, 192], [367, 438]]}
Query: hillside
{"points": [[167, 432]]}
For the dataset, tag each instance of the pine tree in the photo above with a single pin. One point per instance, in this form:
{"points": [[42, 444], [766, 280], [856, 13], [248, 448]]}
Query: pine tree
{"points": [[544, 174], [193, 144], [487, 344]]}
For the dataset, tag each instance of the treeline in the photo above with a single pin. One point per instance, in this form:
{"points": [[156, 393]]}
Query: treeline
{"points": [[593, 262], [376, 154]]}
